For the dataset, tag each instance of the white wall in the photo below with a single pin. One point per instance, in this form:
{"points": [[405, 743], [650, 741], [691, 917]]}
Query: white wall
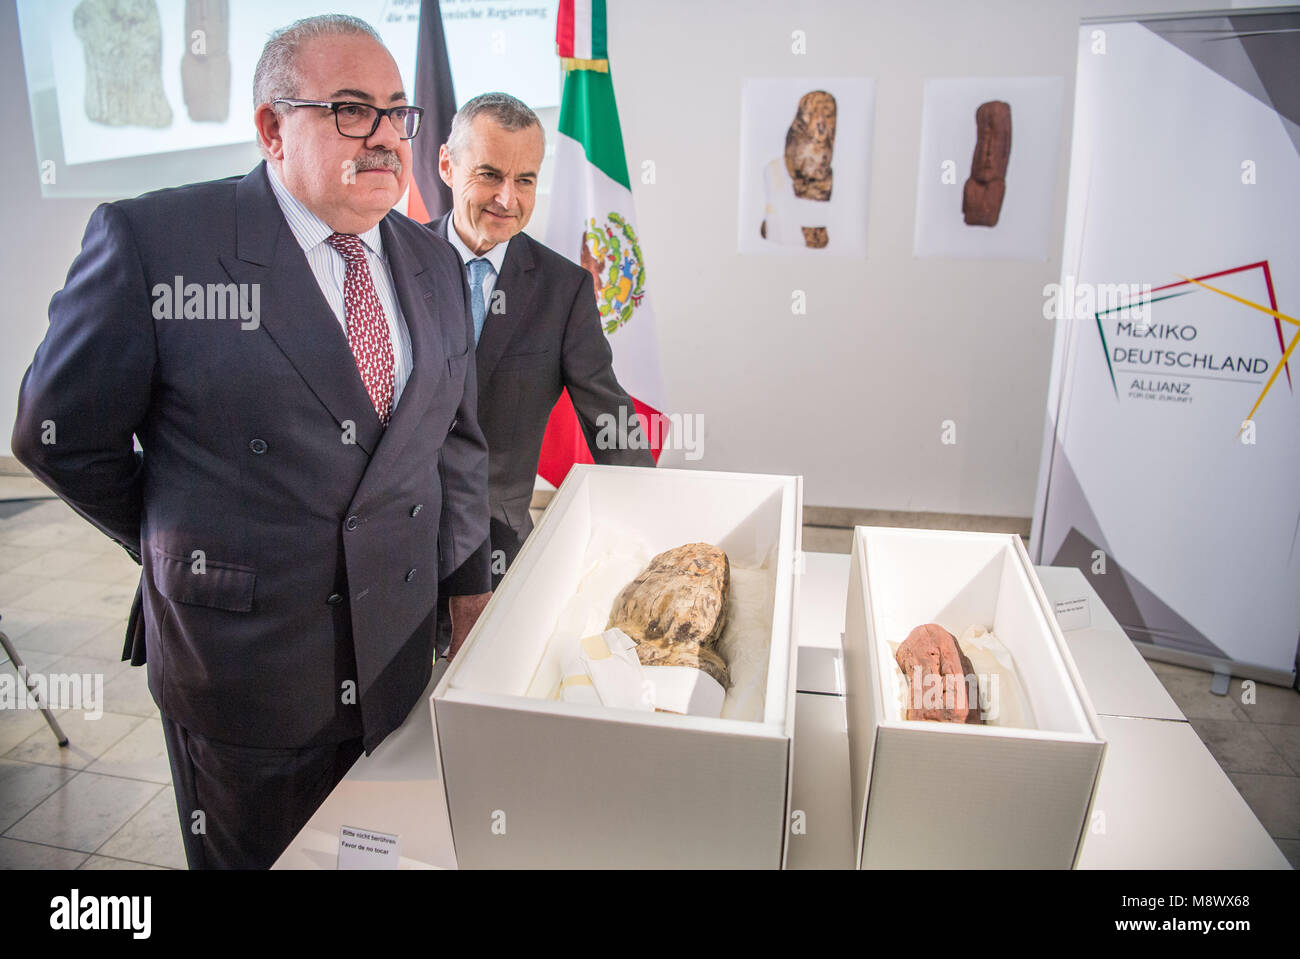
{"points": [[853, 393], [40, 236]]}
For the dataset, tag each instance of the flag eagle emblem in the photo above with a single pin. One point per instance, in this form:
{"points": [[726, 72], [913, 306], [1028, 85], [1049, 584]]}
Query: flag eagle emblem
{"points": [[612, 255]]}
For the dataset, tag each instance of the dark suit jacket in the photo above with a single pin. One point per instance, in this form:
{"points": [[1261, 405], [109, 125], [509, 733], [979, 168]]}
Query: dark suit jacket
{"points": [[292, 549], [549, 338]]}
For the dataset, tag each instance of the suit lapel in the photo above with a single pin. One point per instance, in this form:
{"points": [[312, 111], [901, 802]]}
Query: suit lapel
{"points": [[420, 310], [518, 283], [294, 312]]}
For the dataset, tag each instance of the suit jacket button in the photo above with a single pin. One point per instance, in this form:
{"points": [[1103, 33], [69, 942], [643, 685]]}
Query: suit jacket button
{"points": [[415, 510], [257, 446], [410, 575], [335, 599], [352, 523]]}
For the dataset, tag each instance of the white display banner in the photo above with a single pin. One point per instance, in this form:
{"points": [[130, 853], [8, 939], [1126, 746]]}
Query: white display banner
{"points": [[166, 121], [1171, 463], [491, 44], [506, 45]]}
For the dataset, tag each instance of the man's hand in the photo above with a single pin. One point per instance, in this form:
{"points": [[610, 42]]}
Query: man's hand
{"points": [[465, 612]]}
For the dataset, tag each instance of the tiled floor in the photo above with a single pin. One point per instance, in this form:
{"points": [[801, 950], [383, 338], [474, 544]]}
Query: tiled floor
{"points": [[105, 801]]}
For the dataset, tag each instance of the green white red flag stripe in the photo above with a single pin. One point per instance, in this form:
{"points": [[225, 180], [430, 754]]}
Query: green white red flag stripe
{"points": [[580, 30], [592, 221]]}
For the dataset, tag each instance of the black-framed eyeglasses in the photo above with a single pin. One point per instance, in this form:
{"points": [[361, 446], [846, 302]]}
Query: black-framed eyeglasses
{"points": [[361, 120]]}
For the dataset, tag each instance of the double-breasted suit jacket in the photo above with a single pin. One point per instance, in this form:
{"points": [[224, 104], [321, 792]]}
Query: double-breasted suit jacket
{"points": [[292, 547]]}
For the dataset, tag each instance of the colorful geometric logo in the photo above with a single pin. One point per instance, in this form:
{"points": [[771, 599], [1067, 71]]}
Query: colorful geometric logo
{"points": [[1167, 292]]}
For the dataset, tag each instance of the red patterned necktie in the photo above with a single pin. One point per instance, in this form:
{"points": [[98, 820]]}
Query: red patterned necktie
{"points": [[367, 326]]}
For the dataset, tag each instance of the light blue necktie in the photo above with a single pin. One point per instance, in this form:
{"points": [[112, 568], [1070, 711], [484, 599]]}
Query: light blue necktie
{"points": [[478, 271]]}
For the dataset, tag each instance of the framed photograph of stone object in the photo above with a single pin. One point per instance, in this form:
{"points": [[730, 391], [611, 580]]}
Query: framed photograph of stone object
{"points": [[805, 165], [987, 172]]}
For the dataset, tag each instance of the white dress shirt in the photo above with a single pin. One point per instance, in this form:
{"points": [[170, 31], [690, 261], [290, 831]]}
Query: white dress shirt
{"points": [[329, 268], [495, 257]]}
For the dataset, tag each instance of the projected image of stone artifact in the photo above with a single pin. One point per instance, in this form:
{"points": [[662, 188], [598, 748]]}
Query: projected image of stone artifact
{"points": [[675, 610], [122, 40], [809, 145], [981, 198], [937, 673], [205, 68]]}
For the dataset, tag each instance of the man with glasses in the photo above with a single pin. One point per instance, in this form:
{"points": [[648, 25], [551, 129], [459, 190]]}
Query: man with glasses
{"points": [[296, 362]]}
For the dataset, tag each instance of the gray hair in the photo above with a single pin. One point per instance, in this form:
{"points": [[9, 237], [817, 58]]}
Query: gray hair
{"points": [[508, 112], [277, 69]]}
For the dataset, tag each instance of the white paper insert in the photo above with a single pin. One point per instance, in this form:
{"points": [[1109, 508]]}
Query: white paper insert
{"points": [[604, 669], [1073, 613], [367, 849]]}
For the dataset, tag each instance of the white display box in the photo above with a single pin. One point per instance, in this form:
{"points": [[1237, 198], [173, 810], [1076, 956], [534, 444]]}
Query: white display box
{"points": [[943, 795], [535, 782]]}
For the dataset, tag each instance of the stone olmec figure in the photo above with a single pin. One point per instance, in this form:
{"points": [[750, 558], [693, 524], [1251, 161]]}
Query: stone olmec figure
{"points": [[981, 198], [205, 68], [122, 40], [675, 610]]}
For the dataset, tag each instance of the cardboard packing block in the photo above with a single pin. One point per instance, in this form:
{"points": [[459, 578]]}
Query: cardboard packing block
{"points": [[944, 795], [536, 782]]}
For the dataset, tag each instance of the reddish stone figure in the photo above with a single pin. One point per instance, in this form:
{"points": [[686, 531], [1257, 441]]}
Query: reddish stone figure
{"points": [[981, 199], [938, 674]]}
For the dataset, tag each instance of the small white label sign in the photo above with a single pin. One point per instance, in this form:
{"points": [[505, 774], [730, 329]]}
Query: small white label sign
{"points": [[366, 849], [1074, 613]]}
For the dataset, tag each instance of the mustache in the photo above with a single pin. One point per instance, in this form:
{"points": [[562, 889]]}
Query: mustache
{"points": [[378, 160]]}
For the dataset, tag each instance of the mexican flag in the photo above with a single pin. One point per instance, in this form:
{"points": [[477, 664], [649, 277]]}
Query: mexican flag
{"points": [[592, 221]]}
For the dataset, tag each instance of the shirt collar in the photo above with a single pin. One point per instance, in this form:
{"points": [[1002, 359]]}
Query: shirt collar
{"points": [[309, 229], [496, 256]]}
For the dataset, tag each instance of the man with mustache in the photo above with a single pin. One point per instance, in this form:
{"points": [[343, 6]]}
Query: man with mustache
{"points": [[536, 321], [313, 476]]}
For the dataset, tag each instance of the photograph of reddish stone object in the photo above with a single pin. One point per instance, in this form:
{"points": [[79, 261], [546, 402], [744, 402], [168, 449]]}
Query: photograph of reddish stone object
{"points": [[205, 68], [981, 198], [939, 692]]}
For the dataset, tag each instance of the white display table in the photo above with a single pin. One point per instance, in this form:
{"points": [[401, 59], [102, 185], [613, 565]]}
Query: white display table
{"points": [[1163, 802], [1118, 679]]}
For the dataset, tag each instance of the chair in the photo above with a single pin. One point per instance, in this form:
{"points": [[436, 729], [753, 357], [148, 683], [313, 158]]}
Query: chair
{"points": [[22, 673]]}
